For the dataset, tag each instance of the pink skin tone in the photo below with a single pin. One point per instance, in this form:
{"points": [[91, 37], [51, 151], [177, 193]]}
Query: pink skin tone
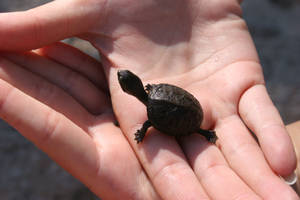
{"points": [[294, 130], [66, 102]]}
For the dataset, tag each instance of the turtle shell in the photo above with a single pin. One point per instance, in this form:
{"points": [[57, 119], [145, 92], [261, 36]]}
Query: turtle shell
{"points": [[173, 110]]}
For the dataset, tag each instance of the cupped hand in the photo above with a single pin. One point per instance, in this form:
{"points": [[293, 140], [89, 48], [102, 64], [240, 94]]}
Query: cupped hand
{"points": [[202, 46], [57, 97]]}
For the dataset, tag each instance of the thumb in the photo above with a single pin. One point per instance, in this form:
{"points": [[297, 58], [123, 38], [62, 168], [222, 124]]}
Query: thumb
{"points": [[46, 24]]}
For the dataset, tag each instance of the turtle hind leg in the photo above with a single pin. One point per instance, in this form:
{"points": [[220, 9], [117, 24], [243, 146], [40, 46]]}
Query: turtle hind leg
{"points": [[140, 134], [210, 135]]}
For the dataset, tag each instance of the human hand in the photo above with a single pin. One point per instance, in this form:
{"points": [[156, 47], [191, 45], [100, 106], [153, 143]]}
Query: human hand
{"points": [[294, 130], [58, 98], [202, 46]]}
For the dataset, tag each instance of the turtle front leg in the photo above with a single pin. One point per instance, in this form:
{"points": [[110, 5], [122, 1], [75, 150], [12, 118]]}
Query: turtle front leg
{"points": [[209, 135], [140, 134]]}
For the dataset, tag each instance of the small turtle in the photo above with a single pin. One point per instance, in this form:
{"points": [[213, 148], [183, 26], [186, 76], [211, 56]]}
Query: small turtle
{"points": [[170, 109]]}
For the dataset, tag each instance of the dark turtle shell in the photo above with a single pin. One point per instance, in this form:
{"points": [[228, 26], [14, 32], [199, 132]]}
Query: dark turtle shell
{"points": [[170, 109], [173, 110]]}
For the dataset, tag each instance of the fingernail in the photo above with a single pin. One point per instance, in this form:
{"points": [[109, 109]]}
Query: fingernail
{"points": [[290, 179]]}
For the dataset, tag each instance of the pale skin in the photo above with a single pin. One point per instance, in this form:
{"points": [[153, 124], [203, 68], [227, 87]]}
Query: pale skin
{"points": [[60, 98], [294, 131]]}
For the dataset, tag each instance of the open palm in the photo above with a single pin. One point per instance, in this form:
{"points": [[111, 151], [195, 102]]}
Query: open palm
{"points": [[202, 46]]}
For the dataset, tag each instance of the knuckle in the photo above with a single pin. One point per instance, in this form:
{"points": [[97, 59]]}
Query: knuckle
{"points": [[173, 168], [50, 126]]}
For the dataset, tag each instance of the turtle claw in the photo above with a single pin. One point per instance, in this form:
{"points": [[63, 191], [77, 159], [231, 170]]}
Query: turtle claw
{"points": [[139, 136], [210, 135], [212, 138], [148, 87]]}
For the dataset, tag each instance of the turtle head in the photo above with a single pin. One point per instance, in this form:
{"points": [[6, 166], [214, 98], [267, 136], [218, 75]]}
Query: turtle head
{"points": [[132, 84]]}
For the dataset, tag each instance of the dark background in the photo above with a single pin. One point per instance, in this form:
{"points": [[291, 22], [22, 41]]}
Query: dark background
{"points": [[26, 173]]}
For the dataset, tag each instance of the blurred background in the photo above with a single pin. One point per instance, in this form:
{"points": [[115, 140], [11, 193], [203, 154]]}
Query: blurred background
{"points": [[26, 173]]}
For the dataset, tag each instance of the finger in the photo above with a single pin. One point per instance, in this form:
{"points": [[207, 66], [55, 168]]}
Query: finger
{"points": [[43, 91], [75, 150], [167, 167], [294, 131], [43, 126], [246, 159], [261, 116], [94, 100], [76, 60], [120, 167], [214, 172], [48, 23], [159, 154]]}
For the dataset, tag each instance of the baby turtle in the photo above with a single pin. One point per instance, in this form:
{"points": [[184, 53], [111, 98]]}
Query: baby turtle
{"points": [[170, 109]]}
